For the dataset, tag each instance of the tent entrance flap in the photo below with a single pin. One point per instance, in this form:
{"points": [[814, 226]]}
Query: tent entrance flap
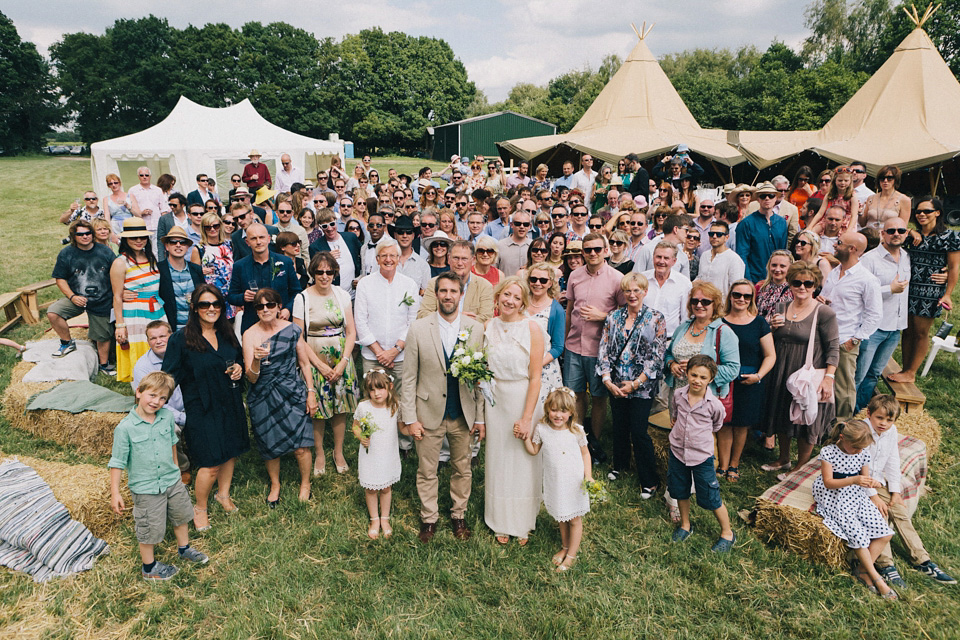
{"points": [[127, 170], [315, 162]]}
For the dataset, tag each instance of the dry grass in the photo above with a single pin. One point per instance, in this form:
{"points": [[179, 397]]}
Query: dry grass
{"points": [[799, 532]]}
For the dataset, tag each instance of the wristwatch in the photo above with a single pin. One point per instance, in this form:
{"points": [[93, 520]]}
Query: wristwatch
{"points": [[855, 341]]}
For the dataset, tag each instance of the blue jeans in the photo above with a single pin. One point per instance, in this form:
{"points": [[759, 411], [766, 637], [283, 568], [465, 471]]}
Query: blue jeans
{"points": [[875, 352]]}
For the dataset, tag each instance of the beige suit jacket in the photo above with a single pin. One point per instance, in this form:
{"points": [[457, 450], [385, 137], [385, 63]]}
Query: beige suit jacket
{"points": [[788, 211], [424, 395], [477, 299]]}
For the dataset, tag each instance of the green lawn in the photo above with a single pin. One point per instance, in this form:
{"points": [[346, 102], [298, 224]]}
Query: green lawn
{"points": [[309, 571]]}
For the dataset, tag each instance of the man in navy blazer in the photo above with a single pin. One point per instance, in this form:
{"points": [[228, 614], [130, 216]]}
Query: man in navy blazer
{"points": [[244, 217], [178, 277], [261, 269], [201, 194], [338, 244]]}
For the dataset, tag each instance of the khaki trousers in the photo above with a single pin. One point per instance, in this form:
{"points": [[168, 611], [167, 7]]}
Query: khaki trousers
{"points": [[845, 389], [900, 521], [428, 452]]}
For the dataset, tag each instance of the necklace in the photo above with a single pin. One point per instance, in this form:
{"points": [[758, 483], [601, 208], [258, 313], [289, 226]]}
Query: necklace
{"points": [[697, 334]]}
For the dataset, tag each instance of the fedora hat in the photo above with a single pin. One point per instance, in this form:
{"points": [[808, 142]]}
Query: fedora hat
{"points": [[176, 232], [403, 223], [254, 154], [135, 227], [439, 236], [766, 187], [730, 187], [240, 191]]}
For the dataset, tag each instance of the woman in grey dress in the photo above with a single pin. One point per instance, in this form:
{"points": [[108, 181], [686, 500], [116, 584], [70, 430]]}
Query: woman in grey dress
{"points": [[280, 401]]}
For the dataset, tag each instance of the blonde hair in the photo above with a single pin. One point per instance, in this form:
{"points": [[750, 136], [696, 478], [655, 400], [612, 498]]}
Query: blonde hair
{"points": [[553, 290], [157, 381], [779, 252], [378, 379], [856, 433], [513, 280], [207, 220], [561, 399], [634, 277], [752, 307]]}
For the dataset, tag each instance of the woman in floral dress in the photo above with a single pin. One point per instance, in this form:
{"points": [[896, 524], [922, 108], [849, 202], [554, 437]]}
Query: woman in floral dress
{"points": [[216, 256]]}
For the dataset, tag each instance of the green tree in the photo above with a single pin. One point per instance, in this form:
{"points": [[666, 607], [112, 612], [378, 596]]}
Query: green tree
{"points": [[941, 27], [28, 100]]}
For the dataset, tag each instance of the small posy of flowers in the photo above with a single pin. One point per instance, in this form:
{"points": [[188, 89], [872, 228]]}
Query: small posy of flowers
{"points": [[367, 428], [407, 300], [467, 366], [276, 269], [596, 490]]}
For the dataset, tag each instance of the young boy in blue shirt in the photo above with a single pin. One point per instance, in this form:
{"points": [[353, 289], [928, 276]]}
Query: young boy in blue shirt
{"points": [[144, 443]]}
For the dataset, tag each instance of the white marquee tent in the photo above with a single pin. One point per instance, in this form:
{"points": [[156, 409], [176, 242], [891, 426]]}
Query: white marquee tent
{"points": [[194, 139]]}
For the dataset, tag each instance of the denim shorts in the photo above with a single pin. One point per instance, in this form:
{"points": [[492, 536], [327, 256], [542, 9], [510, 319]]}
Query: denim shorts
{"points": [[704, 481], [581, 371]]}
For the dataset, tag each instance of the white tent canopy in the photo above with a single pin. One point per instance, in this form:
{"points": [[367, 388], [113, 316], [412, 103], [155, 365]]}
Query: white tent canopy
{"points": [[194, 139]]}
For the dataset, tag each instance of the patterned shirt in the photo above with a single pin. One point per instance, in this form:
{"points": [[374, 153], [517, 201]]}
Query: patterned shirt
{"points": [[182, 290], [627, 353]]}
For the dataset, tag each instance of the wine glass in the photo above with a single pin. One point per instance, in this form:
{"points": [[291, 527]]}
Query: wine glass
{"points": [[266, 359], [233, 383]]}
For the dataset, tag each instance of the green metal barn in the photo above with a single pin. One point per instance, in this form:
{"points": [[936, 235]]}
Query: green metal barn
{"points": [[480, 135]]}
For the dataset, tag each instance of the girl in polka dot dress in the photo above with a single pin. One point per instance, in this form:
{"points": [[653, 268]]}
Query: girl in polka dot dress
{"points": [[844, 505]]}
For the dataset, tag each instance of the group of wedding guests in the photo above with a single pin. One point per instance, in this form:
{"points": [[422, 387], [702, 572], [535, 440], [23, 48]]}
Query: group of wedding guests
{"points": [[573, 310]]}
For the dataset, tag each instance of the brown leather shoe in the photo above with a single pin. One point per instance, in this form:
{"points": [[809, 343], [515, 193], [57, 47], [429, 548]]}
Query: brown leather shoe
{"points": [[427, 530], [460, 530]]}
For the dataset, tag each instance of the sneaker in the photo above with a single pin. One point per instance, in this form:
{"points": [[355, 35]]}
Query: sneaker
{"points": [[890, 575], [647, 492], [108, 369], [932, 570], [160, 571], [613, 476], [193, 555], [64, 349]]}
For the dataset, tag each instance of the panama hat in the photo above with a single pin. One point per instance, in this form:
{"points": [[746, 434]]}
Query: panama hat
{"points": [[176, 232], [254, 154], [135, 227]]}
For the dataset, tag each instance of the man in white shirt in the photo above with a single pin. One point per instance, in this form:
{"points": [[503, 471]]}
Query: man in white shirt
{"points": [[675, 233], [891, 265], [720, 266], [832, 221], [638, 235], [702, 222], [285, 222], [411, 263], [858, 173], [585, 178], [147, 201], [854, 295], [376, 227], [566, 180], [668, 289], [288, 174], [513, 248], [386, 304]]}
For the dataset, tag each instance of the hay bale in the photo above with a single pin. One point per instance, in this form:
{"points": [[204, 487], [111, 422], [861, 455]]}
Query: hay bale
{"points": [[800, 532], [661, 446], [919, 424], [85, 491], [89, 432]]}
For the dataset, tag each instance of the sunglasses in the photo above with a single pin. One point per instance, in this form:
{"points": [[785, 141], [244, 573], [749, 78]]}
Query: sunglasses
{"points": [[91, 199], [409, 206], [840, 170], [706, 206], [766, 196], [557, 216], [522, 225], [716, 234], [265, 305], [211, 226], [807, 284], [461, 204], [661, 215], [925, 212], [83, 233], [284, 210], [592, 249], [892, 232], [230, 222], [209, 304], [617, 243], [700, 302], [825, 181], [582, 214], [575, 202], [234, 179], [375, 225], [857, 171], [486, 252], [885, 178], [211, 207], [736, 295], [538, 250], [324, 272], [110, 183], [327, 225], [241, 216], [179, 242], [428, 225], [595, 226], [144, 175], [636, 223], [534, 280], [404, 232], [803, 243]]}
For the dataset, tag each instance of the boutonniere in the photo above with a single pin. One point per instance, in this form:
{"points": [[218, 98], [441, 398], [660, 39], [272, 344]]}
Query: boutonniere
{"points": [[407, 300], [276, 269]]}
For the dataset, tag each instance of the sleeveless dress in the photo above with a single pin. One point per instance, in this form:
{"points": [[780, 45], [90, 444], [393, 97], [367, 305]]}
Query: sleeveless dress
{"points": [[749, 399], [513, 479], [927, 258], [325, 335], [563, 493], [550, 378], [848, 512], [220, 257], [118, 213], [137, 314], [277, 400], [379, 466], [879, 216]]}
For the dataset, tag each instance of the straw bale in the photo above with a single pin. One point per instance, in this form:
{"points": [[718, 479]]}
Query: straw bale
{"points": [[661, 446], [919, 424], [90, 432], [800, 532], [84, 490]]}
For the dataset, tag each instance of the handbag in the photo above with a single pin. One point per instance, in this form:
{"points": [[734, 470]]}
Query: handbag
{"points": [[804, 385], [727, 400]]}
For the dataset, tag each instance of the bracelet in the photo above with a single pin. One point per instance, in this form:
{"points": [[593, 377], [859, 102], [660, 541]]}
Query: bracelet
{"points": [[313, 390], [71, 297], [121, 325], [829, 375], [256, 372]]}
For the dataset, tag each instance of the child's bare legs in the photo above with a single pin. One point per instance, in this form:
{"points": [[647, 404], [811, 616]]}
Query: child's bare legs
{"points": [[273, 472], [867, 572], [371, 496], [303, 463], [339, 423], [146, 552], [574, 533], [320, 462], [386, 495], [181, 534], [723, 518], [564, 543]]}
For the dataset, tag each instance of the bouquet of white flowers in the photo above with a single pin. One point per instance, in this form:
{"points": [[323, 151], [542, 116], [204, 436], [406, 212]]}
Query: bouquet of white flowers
{"points": [[471, 367]]}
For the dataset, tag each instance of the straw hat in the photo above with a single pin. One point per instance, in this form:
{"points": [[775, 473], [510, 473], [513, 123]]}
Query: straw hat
{"points": [[135, 227], [240, 191], [176, 232], [264, 193], [729, 188], [765, 187], [573, 248], [740, 188], [438, 236], [254, 154]]}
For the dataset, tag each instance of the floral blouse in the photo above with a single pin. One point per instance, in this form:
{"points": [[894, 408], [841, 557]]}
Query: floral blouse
{"points": [[626, 353], [769, 296]]}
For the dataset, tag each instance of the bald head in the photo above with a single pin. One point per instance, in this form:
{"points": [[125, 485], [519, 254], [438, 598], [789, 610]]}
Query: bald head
{"points": [[855, 240]]}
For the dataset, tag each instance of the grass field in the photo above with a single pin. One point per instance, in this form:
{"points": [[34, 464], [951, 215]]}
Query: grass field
{"points": [[309, 571]]}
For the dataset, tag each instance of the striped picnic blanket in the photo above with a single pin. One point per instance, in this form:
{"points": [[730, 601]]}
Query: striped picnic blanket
{"points": [[37, 535], [796, 490]]}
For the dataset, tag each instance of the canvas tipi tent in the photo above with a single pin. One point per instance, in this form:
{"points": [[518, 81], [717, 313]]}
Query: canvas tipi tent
{"points": [[638, 111], [194, 139]]}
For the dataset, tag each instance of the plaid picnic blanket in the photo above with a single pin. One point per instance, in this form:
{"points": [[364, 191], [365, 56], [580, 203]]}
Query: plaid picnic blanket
{"points": [[796, 490], [37, 535]]}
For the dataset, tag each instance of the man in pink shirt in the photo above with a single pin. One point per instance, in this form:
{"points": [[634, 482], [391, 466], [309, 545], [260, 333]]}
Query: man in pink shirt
{"points": [[593, 291]]}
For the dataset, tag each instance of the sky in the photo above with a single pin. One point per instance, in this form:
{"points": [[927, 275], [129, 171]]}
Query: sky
{"points": [[500, 42]]}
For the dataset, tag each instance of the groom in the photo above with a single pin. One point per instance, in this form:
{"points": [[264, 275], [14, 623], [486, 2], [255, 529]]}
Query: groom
{"points": [[435, 404]]}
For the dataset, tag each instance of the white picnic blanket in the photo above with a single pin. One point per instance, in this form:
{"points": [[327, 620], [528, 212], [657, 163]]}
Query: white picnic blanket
{"points": [[82, 364]]}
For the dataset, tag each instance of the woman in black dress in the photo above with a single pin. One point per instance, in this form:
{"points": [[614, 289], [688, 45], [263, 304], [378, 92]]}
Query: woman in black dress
{"points": [[757, 358], [204, 358]]}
